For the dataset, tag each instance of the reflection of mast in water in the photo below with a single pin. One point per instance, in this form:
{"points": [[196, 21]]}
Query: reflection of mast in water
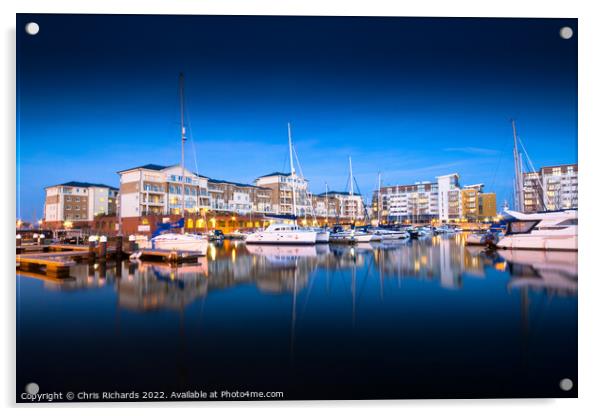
{"points": [[524, 311], [294, 312], [353, 272]]}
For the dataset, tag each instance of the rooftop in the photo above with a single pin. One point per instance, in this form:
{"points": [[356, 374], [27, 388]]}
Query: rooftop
{"points": [[149, 166], [244, 185], [337, 193], [84, 185], [274, 174]]}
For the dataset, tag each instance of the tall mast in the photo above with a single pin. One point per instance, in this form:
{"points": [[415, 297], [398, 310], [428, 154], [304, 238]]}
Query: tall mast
{"points": [[183, 131], [350, 177], [327, 203], [518, 173], [378, 200], [293, 185], [351, 204]]}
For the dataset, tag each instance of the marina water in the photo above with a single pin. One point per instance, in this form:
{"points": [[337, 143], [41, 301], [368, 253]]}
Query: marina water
{"points": [[408, 319]]}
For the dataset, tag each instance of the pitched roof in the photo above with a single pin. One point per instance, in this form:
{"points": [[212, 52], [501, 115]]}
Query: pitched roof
{"points": [[246, 185], [338, 193], [84, 185], [275, 174], [149, 166]]}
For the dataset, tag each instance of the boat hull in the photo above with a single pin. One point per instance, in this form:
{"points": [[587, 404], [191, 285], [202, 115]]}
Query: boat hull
{"points": [[536, 242], [198, 245], [322, 236], [262, 237], [364, 238]]}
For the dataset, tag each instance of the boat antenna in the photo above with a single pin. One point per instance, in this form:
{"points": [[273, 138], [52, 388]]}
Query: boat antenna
{"points": [[183, 131]]}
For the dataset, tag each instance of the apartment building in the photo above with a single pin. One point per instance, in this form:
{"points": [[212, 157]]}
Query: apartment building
{"points": [[551, 188], [157, 190], [478, 205], [78, 203], [341, 205], [416, 202], [444, 200], [326, 206], [450, 197], [238, 197], [282, 186]]}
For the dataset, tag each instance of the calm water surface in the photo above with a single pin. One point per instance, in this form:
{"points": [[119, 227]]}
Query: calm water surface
{"points": [[415, 319]]}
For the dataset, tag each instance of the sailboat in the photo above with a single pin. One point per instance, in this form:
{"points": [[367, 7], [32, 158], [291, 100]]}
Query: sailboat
{"points": [[548, 230], [282, 233], [180, 241], [322, 234]]}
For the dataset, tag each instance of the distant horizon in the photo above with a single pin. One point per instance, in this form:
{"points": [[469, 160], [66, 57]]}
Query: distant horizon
{"points": [[413, 98]]}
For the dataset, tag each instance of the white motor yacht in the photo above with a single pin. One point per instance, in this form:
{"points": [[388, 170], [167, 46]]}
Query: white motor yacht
{"points": [[184, 242], [554, 230], [282, 234]]}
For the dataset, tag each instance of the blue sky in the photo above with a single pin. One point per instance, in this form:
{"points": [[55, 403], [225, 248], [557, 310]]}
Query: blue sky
{"points": [[412, 98]]}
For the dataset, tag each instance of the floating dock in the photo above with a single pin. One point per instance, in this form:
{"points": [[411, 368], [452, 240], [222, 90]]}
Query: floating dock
{"points": [[51, 264]]}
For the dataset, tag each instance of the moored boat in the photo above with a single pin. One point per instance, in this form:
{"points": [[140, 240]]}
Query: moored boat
{"points": [[322, 235], [553, 230], [488, 238], [280, 233], [183, 242]]}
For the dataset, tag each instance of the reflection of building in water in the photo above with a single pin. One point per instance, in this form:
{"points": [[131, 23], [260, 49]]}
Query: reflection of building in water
{"points": [[554, 272], [159, 286], [441, 257], [271, 268]]}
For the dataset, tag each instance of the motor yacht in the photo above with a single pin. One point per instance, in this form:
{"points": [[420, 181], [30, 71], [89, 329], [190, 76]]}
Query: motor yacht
{"points": [[184, 242], [278, 233], [553, 230]]}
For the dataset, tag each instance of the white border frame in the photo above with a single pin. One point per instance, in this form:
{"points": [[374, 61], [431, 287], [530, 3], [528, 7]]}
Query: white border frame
{"points": [[590, 134]]}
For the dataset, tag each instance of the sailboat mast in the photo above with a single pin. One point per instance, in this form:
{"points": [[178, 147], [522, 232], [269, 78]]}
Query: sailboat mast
{"points": [[183, 131], [518, 174], [378, 204], [327, 203], [350, 178], [293, 185], [351, 190]]}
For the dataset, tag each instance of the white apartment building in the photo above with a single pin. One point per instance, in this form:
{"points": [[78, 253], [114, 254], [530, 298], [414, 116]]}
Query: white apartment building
{"points": [[78, 202], [450, 197], [417, 202], [552, 188], [443, 200]]}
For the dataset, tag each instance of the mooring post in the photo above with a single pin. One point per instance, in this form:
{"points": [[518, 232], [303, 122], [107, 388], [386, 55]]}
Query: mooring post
{"points": [[119, 245], [132, 244], [102, 247], [92, 247]]}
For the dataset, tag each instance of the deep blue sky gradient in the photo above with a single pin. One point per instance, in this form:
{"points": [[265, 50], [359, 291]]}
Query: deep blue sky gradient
{"points": [[411, 97]]}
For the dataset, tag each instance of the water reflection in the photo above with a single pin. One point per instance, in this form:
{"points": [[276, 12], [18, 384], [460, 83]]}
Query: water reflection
{"points": [[553, 271], [285, 269], [314, 318]]}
